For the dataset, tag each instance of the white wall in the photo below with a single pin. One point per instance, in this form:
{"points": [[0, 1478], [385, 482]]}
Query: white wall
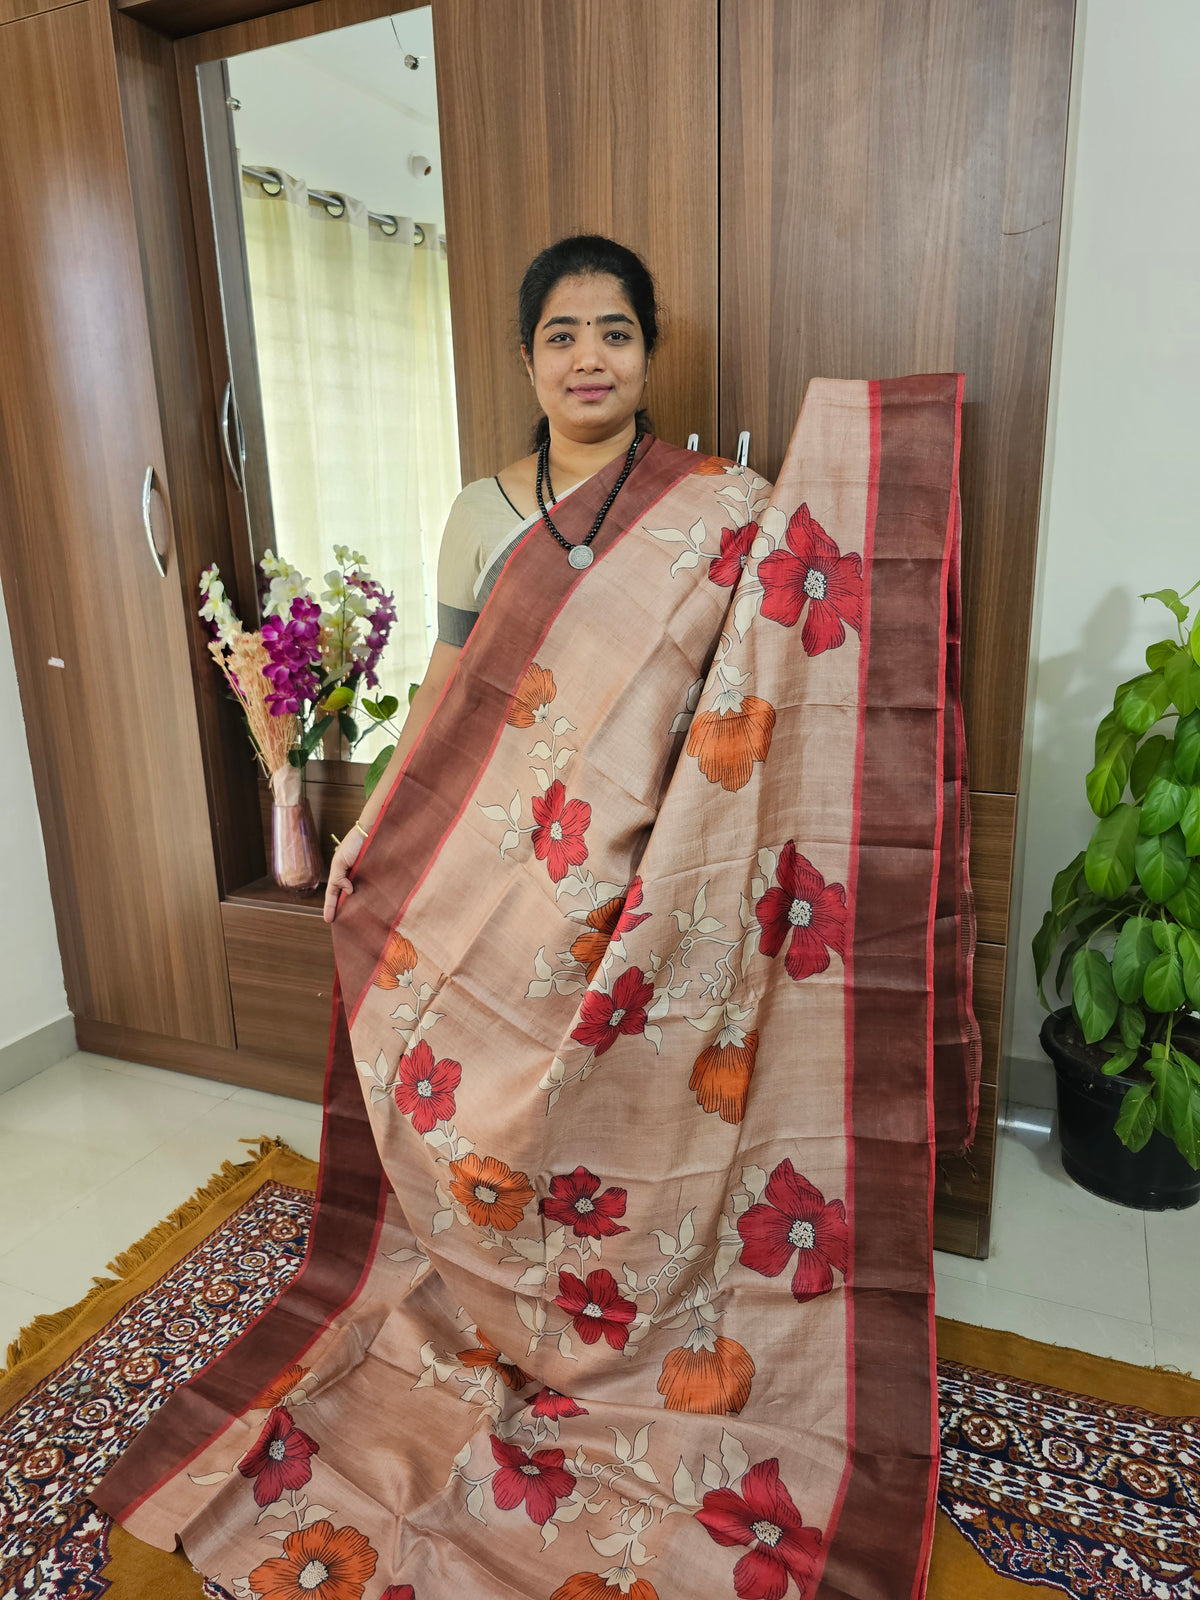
{"points": [[1121, 508], [31, 979]]}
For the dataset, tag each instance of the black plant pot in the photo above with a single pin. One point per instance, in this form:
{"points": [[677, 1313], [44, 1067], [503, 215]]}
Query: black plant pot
{"points": [[1155, 1178]]}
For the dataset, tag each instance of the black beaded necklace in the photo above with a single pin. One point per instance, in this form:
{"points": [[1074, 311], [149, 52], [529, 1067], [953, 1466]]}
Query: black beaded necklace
{"points": [[580, 555]]}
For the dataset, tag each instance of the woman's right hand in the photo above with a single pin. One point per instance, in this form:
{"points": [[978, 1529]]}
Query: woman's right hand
{"points": [[344, 857]]}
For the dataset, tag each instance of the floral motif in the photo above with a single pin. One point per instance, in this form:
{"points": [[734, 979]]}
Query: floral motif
{"points": [[561, 825], [425, 1087], [764, 1517], [619, 1584], [279, 1460], [399, 958], [322, 1561], [574, 1202], [399, 1591], [727, 741], [539, 1480], [793, 1217], [285, 1384], [721, 1073], [550, 1404], [812, 571], [726, 568], [487, 1356], [293, 653], [804, 905], [604, 1017], [532, 699], [493, 1194], [607, 924], [707, 1374], [596, 1307]]}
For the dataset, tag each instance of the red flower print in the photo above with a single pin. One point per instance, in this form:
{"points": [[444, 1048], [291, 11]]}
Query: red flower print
{"points": [[279, 1460], [812, 571], [763, 1516], [607, 923], [320, 1561], [399, 1591], [603, 1017], [573, 1201], [425, 1091], [735, 551], [489, 1358], [795, 1218], [561, 825], [549, 1403], [808, 908], [596, 1307], [538, 1479]]}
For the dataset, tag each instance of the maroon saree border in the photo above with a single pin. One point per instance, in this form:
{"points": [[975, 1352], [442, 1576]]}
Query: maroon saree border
{"points": [[878, 1548]]}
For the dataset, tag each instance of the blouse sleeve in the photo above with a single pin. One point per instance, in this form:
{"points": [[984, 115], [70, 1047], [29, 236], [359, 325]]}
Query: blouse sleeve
{"points": [[458, 568]]}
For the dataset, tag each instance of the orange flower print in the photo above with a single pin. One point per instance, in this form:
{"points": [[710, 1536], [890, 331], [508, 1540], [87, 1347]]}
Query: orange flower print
{"points": [[605, 923], [493, 1194], [276, 1393], [614, 1585], [728, 741], [318, 1563], [488, 1357], [712, 467], [721, 1075], [399, 957], [707, 1374], [532, 699]]}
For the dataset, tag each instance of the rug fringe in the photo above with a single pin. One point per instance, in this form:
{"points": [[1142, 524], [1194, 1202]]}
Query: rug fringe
{"points": [[38, 1333]]}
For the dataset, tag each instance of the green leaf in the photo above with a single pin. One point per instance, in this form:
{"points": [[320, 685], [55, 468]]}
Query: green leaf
{"points": [[1182, 681], [1119, 1061], [1145, 702], [1110, 858], [1190, 1066], [1043, 945], [1162, 863], [348, 726], [1185, 904], [371, 707], [412, 690], [1181, 1106], [389, 706], [1163, 987], [1132, 1022], [1135, 1123], [339, 698], [1166, 934], [376, 769], [1187, 747], [1085, 927], [1194, 645], [312, 738], [1135, 949], [1164, 802], [1108, 728], [1105, 783], [1189, 954], [1171, 600], [1159, 653], [1062, 890], [1093, 996], [1145, 764], [1190, 821]]}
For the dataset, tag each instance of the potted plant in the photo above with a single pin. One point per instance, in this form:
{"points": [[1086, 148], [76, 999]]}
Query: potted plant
{"points": [[1124, 920]]}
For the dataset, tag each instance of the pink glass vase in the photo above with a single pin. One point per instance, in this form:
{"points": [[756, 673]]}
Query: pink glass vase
{"points": [[295, 855]]}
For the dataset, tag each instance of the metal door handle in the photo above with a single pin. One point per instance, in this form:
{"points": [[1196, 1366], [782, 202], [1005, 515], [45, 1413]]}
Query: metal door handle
{"points": [[743, 448], [235, 464], [693, 441], [147, 491]]}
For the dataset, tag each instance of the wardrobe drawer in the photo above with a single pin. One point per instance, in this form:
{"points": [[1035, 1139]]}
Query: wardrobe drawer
{"points": [[281, 981]]}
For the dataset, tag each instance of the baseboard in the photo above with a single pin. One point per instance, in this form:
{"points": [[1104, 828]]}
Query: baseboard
{"points": [[44, 1047], [1029, 1083]]}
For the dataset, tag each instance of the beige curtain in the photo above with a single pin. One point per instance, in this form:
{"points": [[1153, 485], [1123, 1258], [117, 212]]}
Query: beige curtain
{"points": [[352, 330]]}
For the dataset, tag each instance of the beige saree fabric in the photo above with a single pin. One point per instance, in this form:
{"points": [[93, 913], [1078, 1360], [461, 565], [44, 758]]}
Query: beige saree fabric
{"points": [[620, 1281]]}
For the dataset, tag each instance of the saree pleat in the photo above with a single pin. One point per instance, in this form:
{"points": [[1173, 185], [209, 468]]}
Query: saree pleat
{"points": [[653, 1007]]}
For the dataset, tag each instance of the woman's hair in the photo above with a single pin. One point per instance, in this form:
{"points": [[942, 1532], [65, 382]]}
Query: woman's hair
{"points": [[583, 255]]}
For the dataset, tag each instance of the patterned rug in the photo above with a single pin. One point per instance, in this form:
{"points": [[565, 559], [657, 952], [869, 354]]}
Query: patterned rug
{"points": [[1060, 1472]]}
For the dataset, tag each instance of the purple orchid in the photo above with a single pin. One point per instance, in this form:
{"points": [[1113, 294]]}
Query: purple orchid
{"points": [[294, 650]]}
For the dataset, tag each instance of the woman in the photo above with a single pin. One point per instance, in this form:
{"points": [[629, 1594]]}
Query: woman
{"points": [[589, 323], [619, 1282]]}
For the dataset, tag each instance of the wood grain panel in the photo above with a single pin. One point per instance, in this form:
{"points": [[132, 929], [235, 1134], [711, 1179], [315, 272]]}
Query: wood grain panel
{"points": [[566, 116], [891, 190], [112, 729], [299, 1081], [281, 979], [963, 1199], [267, 24], [179, 17], [16, 10], [993, 825]]}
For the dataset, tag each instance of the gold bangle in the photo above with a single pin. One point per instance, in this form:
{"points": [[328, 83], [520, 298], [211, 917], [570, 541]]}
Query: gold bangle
{"points": [[361, 829]]}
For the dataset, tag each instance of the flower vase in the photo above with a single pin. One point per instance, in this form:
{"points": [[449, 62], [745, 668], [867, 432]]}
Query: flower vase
{"points": [[295, 856]]}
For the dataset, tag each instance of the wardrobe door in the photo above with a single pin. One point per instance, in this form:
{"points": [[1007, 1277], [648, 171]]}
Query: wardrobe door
{"points": [[92, 585], [577, 116], [891, 191]]}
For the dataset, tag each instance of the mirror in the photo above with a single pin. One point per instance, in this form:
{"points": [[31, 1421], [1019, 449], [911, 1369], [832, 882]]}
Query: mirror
{"points": [[339, 424]]}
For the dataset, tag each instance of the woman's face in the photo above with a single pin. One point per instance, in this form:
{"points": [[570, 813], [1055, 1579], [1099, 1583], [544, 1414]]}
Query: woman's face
{"points": [[588, 361]]}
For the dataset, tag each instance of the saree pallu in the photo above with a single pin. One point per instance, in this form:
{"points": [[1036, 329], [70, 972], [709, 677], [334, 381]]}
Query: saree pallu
{"points": [[655, 969]]}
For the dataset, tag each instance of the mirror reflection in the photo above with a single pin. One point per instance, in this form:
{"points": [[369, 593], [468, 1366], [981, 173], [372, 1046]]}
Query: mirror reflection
{"points": [[324, 168]]}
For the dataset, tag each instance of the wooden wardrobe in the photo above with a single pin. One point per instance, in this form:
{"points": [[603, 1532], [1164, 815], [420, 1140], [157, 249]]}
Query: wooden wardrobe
{"points": [[854, 189]]}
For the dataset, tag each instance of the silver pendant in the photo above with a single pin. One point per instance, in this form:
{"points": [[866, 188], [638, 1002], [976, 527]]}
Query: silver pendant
{"points": [[581, 556]]}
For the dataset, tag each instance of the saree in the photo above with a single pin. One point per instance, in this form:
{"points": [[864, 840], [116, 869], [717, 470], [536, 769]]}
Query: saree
{"points": [[653, 1003]]}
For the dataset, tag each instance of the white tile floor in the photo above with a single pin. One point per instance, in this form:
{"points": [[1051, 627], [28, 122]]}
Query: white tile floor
{"points": [[116, 1146]]}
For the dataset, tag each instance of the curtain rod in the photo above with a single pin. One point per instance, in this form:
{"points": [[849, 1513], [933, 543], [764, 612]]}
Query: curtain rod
{"points": [[335, 204]]}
